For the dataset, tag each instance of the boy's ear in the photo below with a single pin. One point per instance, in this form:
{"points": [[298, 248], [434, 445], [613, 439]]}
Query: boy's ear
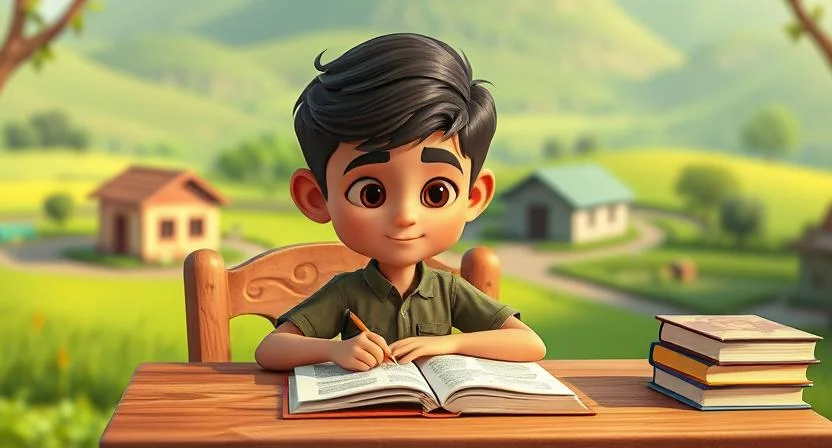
{"points": [[482, 191], [308, 196]]}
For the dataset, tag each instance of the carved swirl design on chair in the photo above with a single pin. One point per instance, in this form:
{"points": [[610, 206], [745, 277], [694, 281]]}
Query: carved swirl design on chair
{"points": [[303, 277]]}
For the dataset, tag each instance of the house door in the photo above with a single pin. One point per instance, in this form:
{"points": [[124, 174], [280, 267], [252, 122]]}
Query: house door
{"points": [[120, 234], [538, 221]]}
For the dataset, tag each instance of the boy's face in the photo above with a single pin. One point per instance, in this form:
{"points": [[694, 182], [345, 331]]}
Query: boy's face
{"points": [[399, 206]]}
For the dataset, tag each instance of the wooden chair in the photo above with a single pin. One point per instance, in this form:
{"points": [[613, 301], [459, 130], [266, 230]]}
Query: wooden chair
{"points": [[273, 282]]}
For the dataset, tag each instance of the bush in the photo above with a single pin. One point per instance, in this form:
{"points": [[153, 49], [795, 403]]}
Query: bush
{"points": [[67, 423], [741, 217], [20, 136], [58, 207]]}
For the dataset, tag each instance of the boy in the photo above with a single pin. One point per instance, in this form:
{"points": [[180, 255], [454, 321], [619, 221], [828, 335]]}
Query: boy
{"points": [[395, 132]]}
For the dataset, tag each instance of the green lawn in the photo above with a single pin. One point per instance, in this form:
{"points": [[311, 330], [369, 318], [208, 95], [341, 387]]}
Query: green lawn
{"points": [[727, 281]]}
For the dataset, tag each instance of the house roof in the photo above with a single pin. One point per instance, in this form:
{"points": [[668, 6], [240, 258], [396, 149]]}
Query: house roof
{"points": [[818, 240], [139, 184], [581, 185]]}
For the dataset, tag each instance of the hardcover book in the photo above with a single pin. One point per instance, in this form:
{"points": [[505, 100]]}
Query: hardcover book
{"points": [[438, 386], [738, 339], [710, 373], [715, 398]]}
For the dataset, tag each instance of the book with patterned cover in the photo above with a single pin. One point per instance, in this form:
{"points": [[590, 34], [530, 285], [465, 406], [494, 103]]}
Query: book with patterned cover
{"points": [[740, 328]]}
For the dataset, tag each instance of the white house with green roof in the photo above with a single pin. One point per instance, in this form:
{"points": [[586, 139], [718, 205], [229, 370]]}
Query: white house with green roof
{"points": [[570, 203]]}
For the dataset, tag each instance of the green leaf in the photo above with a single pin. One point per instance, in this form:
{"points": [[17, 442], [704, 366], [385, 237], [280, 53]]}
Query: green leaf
{"points": [[817, 13], [95, 6], [77, 24], [794, 31]]}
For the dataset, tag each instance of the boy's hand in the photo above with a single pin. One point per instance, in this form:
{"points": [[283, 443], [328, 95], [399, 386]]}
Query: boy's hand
{"points": [[361, 353], [406, 350]]}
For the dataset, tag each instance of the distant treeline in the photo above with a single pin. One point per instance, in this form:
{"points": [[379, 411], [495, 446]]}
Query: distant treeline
{"points": [[48, 129], [264, 159]]}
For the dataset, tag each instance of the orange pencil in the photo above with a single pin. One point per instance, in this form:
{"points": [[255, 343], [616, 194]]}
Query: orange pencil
{"points": [[363, 327]]}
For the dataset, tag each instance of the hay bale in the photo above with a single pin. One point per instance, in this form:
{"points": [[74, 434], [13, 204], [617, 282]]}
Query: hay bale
{"points": [[683, 270]]}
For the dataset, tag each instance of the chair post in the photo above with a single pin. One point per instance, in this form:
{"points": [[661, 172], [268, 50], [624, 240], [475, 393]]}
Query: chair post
{"points": [[481, 267], [206, 307]]}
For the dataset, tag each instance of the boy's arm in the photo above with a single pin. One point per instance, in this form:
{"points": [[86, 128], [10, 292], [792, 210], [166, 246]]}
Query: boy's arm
{"points": [[513, 341], [286, 348]]}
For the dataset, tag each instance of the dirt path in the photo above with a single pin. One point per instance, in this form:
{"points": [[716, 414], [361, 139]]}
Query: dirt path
{"points": [[46, 256]]}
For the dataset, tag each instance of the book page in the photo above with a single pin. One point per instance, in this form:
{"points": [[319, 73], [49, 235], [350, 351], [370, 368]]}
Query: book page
{"points": [[328, 380], [450, 373]]}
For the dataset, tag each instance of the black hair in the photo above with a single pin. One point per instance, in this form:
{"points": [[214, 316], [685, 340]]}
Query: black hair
{"points": [[389, 91]]}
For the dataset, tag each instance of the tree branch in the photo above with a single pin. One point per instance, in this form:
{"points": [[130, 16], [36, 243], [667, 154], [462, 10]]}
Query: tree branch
{"points": [[18, 21], [822, 41], [45, 36]]}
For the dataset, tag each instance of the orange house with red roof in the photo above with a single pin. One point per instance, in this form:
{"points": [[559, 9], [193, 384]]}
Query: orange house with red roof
{"points": [[157, 215]]}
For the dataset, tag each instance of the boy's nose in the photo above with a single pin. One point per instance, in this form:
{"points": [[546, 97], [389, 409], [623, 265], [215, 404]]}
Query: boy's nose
{"points": [[405, 214]]}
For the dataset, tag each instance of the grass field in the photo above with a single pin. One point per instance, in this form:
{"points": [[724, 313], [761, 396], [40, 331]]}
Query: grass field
{"points": [[727, 281]]}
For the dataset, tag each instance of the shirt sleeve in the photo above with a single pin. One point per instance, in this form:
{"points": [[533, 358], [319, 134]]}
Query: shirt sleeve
{"points": [[321, 314], [472, 310]]}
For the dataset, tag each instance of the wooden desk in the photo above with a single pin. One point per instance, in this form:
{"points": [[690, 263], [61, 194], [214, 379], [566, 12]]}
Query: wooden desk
{"points": [[239, 405]]}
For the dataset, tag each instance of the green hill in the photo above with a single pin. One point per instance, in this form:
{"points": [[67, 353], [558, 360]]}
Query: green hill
{"points": [[198, 65], [123, 111], [707, 101]]}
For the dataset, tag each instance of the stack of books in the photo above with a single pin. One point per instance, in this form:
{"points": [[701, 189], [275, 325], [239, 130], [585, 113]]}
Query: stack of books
{"points": [[732, 362]]}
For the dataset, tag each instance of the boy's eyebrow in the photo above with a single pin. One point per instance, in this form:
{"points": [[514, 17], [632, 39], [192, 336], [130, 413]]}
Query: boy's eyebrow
{"points": [[368, 158], [438, 155]]}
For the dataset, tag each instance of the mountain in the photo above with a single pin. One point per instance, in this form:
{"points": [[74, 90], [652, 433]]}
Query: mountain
{"points": [[578, 53], [121, 111], [689, 24], [197, 65], [578, 56]]}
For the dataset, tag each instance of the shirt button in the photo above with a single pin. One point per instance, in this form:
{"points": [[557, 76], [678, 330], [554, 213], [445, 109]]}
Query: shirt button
{"points": [[404, 313]]}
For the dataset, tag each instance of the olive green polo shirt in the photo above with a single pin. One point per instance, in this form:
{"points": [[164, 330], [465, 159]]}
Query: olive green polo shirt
{"points": [[441, 300]]}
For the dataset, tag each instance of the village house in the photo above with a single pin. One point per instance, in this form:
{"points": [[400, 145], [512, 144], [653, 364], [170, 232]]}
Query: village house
{"points": [[815, 250], [157, 215], [572, 203]]}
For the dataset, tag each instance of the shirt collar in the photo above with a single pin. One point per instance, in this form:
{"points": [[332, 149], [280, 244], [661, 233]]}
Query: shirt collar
{"points": [[382, 287]]}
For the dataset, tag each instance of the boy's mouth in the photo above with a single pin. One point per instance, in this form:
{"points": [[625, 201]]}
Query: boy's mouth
{"points": [[405, 239]]}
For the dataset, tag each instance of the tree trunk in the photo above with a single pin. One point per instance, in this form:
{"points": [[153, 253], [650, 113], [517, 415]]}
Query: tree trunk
{"points": [[819, 37]]}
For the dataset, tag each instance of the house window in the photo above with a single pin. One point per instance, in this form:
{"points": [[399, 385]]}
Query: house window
{"points": [[590, 217], [166, 229], [818, 281], [612, 210], [196, 227]]}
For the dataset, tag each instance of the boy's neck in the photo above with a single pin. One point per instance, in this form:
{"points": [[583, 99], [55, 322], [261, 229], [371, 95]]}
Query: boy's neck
{"points": [[403, 278]]}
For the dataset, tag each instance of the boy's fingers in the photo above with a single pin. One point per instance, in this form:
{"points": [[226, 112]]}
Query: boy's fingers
{"points": [[379, 341], [372, 349], [365, 357]]}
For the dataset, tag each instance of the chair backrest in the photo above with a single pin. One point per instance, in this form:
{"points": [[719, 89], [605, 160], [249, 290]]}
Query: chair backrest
{"points": [[273, 282]]}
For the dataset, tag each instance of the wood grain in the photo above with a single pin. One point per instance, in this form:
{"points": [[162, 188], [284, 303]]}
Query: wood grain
{"points": [[234, 404], [273, 282]]}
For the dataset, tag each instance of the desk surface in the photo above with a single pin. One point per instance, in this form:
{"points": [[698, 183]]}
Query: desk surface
{"points": [[236, 404]]}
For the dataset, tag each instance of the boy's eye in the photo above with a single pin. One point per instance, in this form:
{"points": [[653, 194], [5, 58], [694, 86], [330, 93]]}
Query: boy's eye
{"points": [[366, 192], [438, 192]]}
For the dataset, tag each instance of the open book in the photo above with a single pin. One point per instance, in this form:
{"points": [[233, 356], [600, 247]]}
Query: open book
{"points": [[449, 384]]}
